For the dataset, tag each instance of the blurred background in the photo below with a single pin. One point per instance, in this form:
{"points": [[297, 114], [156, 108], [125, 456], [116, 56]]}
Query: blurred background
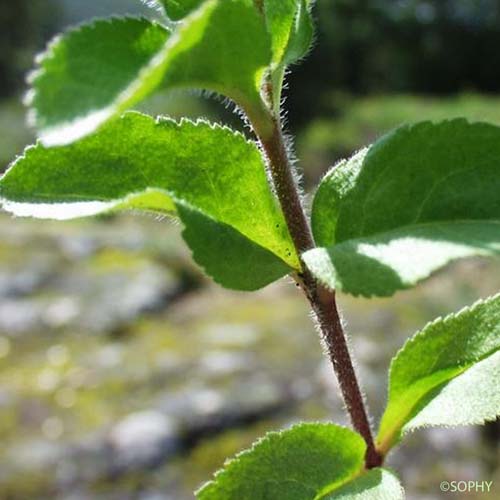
{"points": [[126, 374]]}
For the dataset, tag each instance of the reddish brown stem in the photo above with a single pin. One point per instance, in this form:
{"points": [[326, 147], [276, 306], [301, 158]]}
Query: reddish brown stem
{"points": [[322, 300]]}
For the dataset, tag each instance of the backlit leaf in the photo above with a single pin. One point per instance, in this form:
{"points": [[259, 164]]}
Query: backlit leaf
{"points": [[93, 72], [214, 174], [290, 26], [222, 47]]}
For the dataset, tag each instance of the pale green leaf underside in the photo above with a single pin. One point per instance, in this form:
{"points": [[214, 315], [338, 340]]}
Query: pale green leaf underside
{"points": [[303, 463], [280, 16], [417, 199], [93, 73], [447, 374], [377, 484], [135, 162], [301, 34], [470, 398], [382, 264]]}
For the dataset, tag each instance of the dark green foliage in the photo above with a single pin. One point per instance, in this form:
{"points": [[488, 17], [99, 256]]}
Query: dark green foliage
{"points": [[302, 463]]}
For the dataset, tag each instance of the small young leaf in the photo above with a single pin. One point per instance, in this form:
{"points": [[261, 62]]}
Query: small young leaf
{"points": [[93, 72], [447, 374], [280, 15], [303, 463], [376, 484], [420, 197], [135, 162], [290, 25], [288, 21], [301, 35]]}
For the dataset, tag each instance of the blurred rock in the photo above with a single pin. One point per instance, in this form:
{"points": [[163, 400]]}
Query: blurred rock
{"points": [[445, 440], [232, 335], [152, 495], [78, 246], [109, 356], [191, 404], [21, 282], [36, 454], [62, 312], [143, 439], [18, 317], [203, 410], [220, 363], [118, 299]]}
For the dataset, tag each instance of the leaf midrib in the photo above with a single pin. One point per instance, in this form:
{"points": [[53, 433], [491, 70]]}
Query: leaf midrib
{"points": [[328, 490]]}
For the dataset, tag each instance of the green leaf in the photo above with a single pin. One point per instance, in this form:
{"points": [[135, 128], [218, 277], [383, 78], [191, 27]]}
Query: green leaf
{"points": [[288, 22], [303, 463], [446, 375], [222, 47], [135, 162], [280, 16], [232, 259], [93, 72], [376, 484], [420, 197], [290, 25], [301, 35], [177, 9]]}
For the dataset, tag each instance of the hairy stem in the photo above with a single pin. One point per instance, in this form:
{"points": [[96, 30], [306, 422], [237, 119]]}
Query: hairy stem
{"points": [[322, 300]]}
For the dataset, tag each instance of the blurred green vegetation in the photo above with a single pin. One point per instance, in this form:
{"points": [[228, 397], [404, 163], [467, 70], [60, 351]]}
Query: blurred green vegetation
{"points": [[350, 122]]}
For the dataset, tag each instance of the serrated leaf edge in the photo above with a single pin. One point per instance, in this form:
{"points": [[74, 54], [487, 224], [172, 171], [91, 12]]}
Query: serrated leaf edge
{"points": [[388, 441], [67, 132], [87, 207], [228, 462]]}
